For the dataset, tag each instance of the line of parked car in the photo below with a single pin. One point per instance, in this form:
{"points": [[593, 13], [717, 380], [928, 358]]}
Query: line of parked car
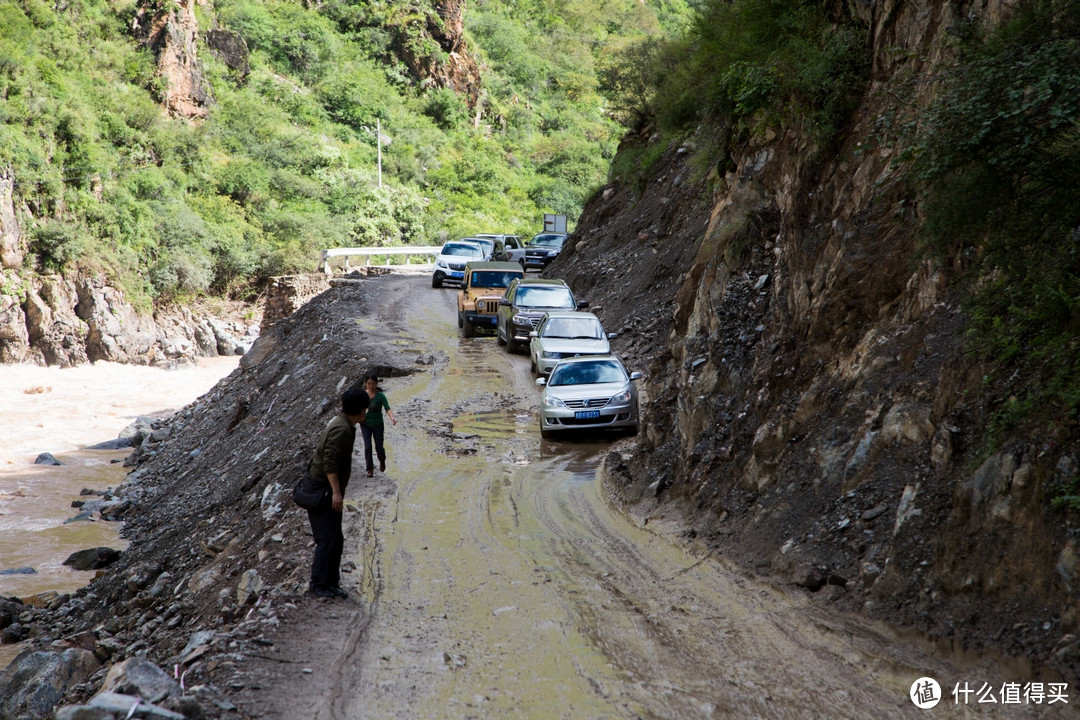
{"points": [[585, 386], [537, 254]]}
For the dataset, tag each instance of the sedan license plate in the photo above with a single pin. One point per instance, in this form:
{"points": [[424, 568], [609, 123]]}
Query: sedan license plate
{"points": [[587, 414], [532, 261], [456, 274]]}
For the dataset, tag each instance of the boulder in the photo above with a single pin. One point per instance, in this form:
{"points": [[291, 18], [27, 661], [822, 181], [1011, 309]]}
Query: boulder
{"points": [[92, 558], [19, 571], [137, 431], [808, 576], [129, 706], [249, 587], [227, 342], [33, 683], [10, 609], [83, 712], [46, 459], [117, 444], [138, 676]]}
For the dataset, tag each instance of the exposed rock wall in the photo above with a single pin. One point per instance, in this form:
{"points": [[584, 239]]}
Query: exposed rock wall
{"points": [[11, 238], [458, 71], [172, 31], [814, 407], [68, 321], [287, 293]]}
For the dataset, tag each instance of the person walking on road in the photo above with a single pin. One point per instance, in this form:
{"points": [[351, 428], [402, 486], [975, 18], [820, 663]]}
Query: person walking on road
{"points": [[373, 428], [331, 466]]}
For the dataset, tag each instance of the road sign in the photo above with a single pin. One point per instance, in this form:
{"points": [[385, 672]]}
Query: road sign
{"points": [[555, 223]]}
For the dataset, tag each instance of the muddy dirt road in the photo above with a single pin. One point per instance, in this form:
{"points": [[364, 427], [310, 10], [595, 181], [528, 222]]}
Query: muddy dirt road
{"points": [[493, 579]]}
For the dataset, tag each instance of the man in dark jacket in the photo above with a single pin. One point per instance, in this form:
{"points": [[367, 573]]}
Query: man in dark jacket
{"points": [[331, 466]]}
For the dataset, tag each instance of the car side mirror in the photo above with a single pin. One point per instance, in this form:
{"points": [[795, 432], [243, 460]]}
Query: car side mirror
{"points": [[635, 376], [541, 381], [582, 304], [503, 302], [612, 336], [533, 334]]}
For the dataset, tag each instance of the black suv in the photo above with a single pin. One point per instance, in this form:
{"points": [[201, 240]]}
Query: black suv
{"points": [[523, 305], [542, 249]]}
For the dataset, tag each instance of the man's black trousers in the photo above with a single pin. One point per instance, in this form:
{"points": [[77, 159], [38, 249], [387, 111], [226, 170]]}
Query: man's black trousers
{"points": [[329, 542]]}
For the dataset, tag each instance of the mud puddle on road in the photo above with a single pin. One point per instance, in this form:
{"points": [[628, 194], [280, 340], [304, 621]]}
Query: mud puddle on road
{"points": [[495, 424]]}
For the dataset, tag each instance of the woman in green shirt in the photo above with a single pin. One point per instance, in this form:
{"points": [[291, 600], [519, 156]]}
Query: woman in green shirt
{"points": [[372, 427]]}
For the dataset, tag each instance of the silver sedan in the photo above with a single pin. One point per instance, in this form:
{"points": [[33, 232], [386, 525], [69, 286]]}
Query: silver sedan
{"points": [[588, 393], [562, 335]]}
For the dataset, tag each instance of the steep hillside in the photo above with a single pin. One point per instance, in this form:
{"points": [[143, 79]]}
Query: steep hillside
{"points": [[813, 407], [189, 150]]}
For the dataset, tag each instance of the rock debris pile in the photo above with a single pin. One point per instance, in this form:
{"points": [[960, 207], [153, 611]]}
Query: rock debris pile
{"points": [[218, 552]]}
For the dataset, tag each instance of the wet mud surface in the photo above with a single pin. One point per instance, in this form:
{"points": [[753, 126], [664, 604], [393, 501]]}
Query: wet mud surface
{"points": [[491, 575]]}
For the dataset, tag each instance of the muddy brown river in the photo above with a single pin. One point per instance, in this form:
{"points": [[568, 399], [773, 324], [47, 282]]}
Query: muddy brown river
{"points": [[63, 411], [494, 579]]}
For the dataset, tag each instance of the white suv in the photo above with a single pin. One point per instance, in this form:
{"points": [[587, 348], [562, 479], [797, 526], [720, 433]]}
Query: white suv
{"points": [[450, 263]]}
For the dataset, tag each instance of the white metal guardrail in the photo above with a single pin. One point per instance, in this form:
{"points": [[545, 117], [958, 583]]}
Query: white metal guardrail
{"points": [[376, 252]]}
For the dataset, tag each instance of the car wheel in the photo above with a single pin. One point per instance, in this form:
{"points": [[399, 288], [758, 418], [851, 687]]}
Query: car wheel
{"points": [[532, 364], [499, 336], [546, 434], [436, 282], [460, 319], [467, 329], [511, 343], [633, 431]]}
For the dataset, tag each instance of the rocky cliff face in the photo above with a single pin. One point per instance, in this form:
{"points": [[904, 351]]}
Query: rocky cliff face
{"points": [[452, 67], [812, 410], [65, 321], [172, 31]]}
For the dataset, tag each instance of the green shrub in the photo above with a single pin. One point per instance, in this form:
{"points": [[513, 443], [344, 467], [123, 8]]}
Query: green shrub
{"points": [[996, 163], [446, 108], [748, 64], [55, 244]]}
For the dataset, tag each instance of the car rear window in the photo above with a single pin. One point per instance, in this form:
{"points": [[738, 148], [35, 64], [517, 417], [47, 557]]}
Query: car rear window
{"points": [[573, 328], [493, 278], [601, 371], [549, 297], [463, 250]]}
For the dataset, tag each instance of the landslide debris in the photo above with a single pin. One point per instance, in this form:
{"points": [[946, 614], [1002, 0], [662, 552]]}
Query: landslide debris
{"points": [[218, 552]]}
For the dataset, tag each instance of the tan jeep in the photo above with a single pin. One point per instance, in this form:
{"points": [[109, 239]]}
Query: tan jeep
{"points": [[478, 299]]}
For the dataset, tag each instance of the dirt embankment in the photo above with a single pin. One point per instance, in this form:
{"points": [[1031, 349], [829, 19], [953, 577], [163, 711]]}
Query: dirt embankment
{"points": [[812, 410], [208, 505]]}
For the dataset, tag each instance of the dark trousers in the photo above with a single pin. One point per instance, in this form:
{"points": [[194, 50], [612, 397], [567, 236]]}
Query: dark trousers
{"points": [[373, 434], [329, 543]]}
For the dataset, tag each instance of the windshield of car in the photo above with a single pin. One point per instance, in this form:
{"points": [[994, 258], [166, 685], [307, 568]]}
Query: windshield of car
{"points": [[573, 328], [462, 249], [548, 296], [493, 278], [548, 240], [585, 373]]}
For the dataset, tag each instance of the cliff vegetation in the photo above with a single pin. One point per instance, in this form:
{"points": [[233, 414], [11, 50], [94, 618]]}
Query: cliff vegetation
{"points": [[191, 149]]}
